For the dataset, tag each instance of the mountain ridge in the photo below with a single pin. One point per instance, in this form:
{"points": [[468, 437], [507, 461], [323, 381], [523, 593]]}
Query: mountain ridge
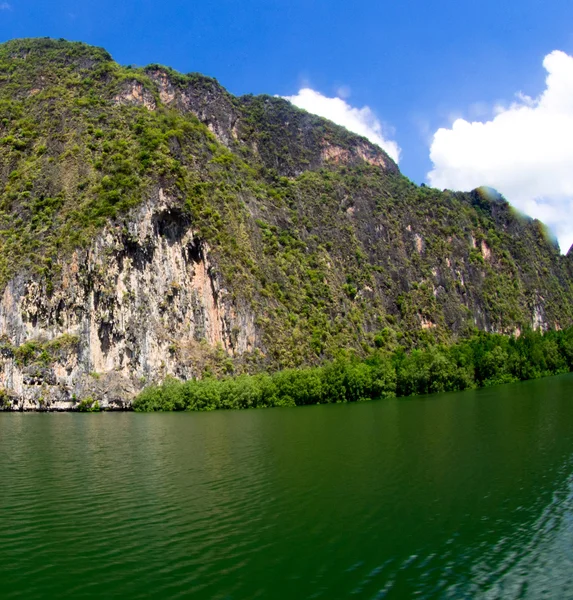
{"points": [[157, 225]]}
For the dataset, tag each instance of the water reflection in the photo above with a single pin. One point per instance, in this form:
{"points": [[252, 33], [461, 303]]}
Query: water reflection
{"points": [[455, 495]]}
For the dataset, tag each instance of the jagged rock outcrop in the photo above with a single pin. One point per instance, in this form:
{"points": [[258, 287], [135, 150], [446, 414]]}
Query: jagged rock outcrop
{"points": [[154, 225]]}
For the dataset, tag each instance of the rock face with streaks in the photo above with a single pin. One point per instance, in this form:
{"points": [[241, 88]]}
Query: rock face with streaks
{"points": [[141, 303]]}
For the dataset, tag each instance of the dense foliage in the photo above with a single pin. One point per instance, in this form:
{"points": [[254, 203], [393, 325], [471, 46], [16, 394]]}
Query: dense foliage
{"points": [[483, 360]]}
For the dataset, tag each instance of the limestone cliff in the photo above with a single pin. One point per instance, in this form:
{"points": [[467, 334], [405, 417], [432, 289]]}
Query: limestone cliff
{"points": [[154, 225], [140, 303]]}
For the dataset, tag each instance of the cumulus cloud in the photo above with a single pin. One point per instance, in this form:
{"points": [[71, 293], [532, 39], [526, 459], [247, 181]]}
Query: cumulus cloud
{"points": [[525, 151], [359, 120]]}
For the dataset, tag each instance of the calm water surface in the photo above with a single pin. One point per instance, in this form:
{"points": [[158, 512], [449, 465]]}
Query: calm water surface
{"points": [[464, 495]]}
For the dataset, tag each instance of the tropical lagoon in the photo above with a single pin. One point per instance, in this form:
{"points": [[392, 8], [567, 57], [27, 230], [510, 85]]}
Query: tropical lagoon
{"points": [[454, 495]]}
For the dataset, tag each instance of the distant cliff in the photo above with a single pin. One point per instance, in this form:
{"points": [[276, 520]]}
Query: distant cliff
{"points": [[152, 224]]}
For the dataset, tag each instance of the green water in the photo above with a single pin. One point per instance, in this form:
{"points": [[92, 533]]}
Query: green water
{"points": [[449, 496]]}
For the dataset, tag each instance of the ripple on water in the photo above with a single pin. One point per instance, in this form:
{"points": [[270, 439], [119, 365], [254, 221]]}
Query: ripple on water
{"points": [[437, 497]]}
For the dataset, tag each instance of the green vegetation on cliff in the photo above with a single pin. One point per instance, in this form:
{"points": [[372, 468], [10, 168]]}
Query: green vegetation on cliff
{"points": [[312, 227], [481, 361]]}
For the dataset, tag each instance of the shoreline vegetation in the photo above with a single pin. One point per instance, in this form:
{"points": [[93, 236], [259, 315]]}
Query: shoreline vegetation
{"points": [[483, 360]]}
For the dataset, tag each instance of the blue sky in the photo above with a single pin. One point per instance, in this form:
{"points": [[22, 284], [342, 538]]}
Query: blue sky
{"points": [[417, 64]]}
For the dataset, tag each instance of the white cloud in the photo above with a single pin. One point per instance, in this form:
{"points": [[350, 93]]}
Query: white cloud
{"points": [[5, 6], [359, 120], [525, 151]]}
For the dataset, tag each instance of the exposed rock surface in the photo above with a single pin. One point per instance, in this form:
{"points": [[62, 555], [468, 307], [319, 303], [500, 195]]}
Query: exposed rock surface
{"points": [[143, 303]]}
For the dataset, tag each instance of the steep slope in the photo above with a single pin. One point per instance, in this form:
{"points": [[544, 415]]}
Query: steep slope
{"points": [[153, 224]]}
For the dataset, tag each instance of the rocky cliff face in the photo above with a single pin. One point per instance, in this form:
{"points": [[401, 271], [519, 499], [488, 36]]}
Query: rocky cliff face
{"points": [[142, 302], [153, 225]]}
